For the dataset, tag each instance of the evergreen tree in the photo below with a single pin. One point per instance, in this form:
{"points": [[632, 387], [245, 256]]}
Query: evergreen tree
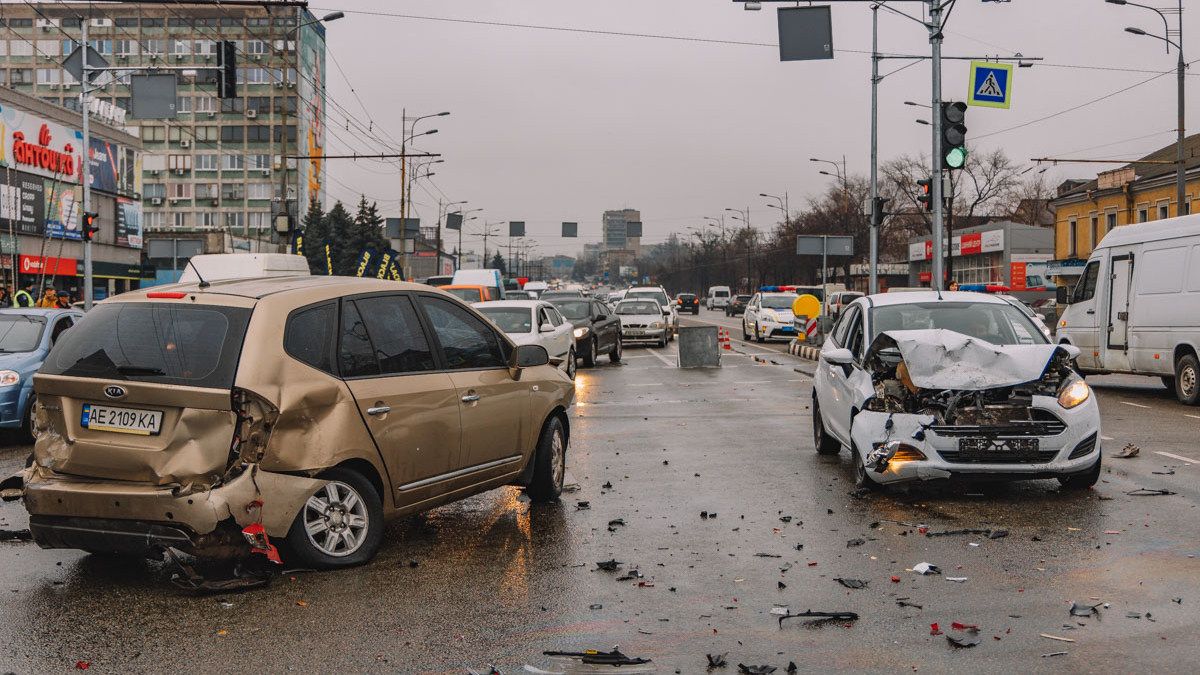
{"points": [[498, 263], [345, 254], [316, 236], [364, 231]]}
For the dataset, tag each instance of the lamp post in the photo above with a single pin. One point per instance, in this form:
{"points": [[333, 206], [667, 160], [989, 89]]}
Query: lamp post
{"points": [[839, 169], [783, 204], [745, 216], [1180, 68]]}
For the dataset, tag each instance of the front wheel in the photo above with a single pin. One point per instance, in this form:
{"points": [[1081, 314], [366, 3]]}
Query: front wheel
{"points": [[1081, 481], [615, 355], [745, 335], [589, 358], [339, 526], [550, 463], [27, 421], [571, 367], [1187, 379], [862, 477], [758, 334]]}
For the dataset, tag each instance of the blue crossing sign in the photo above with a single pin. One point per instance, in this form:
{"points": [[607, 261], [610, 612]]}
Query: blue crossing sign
{"points": [[990, 85]]}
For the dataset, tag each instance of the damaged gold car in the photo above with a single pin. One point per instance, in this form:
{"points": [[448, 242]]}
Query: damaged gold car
{"points": [[214, 418]]}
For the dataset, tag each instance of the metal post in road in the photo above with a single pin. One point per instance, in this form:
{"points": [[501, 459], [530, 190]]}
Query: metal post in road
{"points": [[876, 216], [935, 40], [824, 271], [87, 170]]}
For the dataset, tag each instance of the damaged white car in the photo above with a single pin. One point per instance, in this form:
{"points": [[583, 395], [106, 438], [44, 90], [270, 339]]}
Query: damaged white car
{"points": [[922, 386]]}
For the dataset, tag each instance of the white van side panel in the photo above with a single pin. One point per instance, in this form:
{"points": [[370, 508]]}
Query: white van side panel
{"points": [[1165, 304]]}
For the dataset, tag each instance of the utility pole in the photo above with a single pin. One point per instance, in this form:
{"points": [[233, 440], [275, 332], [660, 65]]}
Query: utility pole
{"points": [[876, 215], [935, 40], [283, 137], [87, 169]]}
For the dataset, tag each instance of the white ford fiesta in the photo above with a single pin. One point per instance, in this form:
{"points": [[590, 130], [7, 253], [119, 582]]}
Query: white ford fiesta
{"points": [[924, 386]]}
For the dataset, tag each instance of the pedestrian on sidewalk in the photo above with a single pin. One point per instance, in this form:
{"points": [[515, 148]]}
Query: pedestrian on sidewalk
{"points": [[49, 298]]}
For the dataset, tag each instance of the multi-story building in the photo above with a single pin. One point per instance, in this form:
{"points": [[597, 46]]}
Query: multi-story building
{"points": [[215, 174], [615, 230], [1086, 210]]}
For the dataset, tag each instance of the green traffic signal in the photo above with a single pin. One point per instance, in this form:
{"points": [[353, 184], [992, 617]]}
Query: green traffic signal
{"points": [[956, 158]]}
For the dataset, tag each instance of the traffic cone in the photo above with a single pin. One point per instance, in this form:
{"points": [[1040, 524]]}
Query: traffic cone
{"points": [[725, 344]]}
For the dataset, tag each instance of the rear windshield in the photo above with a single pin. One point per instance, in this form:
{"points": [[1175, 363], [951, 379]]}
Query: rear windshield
{"points": [[167, 343], [20, 332], [657, 295], [720, 294], [467, 294], [509, 319], [575, 310]]}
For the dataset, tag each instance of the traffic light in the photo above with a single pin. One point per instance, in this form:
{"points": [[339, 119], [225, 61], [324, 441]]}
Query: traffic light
{"points": [[954, 135], [925, 193], [91, 225], [226, 69]]}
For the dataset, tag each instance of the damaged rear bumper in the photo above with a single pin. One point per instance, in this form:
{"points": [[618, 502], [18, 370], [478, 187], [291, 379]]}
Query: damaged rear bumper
{"points": [[1072, 450], [110, 516]]}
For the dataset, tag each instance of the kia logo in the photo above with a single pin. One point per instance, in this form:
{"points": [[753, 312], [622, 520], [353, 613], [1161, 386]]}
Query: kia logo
{"points": [[114, 391]]}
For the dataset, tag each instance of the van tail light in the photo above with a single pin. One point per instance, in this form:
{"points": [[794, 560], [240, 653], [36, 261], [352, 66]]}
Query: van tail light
{"points": [[256, 536], [166, 295]]}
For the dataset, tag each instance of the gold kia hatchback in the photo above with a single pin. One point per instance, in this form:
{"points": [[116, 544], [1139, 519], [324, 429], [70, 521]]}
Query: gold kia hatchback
{"points": [[217, 417]]}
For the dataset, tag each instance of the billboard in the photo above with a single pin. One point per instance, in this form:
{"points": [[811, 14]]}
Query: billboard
{"points": [[64, 203], [129, 223], [311, 109], [22, 203]]}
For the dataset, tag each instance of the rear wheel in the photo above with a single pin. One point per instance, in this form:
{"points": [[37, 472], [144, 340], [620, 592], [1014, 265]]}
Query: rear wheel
{"points": [[550, 466], [589, 358], [339, 526], [1187, 379], [615, 354], [825, 444], [1081, 481]]}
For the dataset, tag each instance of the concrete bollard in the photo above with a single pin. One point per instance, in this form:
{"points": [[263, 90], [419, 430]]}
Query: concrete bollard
{"points": [[698, 347]]}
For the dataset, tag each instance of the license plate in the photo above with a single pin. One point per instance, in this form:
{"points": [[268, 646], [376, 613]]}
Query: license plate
{"points": [[121, 420], [788, 329], [634, 332], [1018, 447]]}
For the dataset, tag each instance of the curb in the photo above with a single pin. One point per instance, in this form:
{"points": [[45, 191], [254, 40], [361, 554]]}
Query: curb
{"points": [[803, 351]]}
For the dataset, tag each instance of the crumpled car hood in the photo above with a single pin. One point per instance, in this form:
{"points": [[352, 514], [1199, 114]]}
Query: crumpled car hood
{"points": [[943, 359]]}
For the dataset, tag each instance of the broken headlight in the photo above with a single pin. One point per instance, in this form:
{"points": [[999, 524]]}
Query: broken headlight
{"points": [[1073, 391]]}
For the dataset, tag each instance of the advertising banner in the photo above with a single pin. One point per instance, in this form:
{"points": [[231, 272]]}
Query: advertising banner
{"points": [[105, 159], [22, 203], [63, 206], [46, 148], [129, 223], [311, 98]]}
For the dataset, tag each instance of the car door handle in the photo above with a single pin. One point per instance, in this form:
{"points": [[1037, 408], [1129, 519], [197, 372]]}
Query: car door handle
{"points": [[470, 398], [1091, 311], [379, 410]]}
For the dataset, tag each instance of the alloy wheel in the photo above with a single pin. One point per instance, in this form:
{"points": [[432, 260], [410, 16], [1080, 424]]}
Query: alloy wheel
{"points": [[336, 519], [1187, 381], [558, 459]]}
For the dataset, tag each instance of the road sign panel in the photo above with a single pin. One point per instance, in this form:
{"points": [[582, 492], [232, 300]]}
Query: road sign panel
{"points": [[990, 84]]}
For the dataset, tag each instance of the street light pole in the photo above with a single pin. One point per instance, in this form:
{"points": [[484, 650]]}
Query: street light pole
{"points": [[876, 215], [87, 170], [935, 40]]}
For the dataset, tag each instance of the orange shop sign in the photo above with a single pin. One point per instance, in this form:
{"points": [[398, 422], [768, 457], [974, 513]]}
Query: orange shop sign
{"points": [[32, 264]]}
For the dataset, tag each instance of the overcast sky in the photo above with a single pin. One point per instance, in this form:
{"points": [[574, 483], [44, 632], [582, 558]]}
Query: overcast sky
{"points": [[548, 126]]}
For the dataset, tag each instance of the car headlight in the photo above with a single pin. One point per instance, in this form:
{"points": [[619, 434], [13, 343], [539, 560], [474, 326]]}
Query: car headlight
{"points": [[580, 332], [1073, 392], [9, 377], [656, 324]]}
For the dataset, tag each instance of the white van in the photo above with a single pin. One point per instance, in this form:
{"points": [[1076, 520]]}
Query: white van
{"points": [[491, 278], [1136, 307], [224, 266], [536, 287], [718, 297]]}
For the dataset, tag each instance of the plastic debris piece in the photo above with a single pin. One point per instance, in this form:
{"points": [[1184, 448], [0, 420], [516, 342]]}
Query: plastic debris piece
{"points": [[716, 660], [596, 606], [963, 641], [785, 519], [1046, 656], [704, 515], [766, 555], [1130, 450], [1133, 615], [895, 579], [855, 542], [934, 629], [607, 485], [608, 565], [957, 580], [1055, 637], [631, 575], [599, 658], [781, 585], [615, 523], [1149, 492], [926, 568], [958, 625], [792, 664], [1080, 609], [83, 665], [582, 506], [825, 616], [852, 583], [906, 603], [998, 534]]}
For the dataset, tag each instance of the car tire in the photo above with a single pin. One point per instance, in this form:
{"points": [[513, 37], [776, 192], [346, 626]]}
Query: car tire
{"points": [[745, 335], [1082, 481], [26, 430], [589, 358], [824, 443], [615, 355], [345, 485], [862, 477], [758, 335], [571, 365], [550, 462], [1187, 379]]}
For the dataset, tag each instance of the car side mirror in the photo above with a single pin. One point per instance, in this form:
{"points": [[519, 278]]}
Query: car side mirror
{"points": [[546, 328], [1062, 295], [666, 310], [838, 357], [529, 356]]}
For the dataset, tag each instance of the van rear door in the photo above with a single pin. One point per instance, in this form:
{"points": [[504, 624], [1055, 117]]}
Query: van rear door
{"points": [[1116, 356], [141, 392]]}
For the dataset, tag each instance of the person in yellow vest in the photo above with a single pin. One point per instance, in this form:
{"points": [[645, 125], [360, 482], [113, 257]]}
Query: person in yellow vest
{"points": [[24, 297], [49, 299]]}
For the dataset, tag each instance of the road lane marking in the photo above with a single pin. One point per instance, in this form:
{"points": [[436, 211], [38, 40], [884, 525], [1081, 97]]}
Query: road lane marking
{"points": [[1195, 417], [1185, 460], [662, 358], [1136, 405], [1103, 438]]}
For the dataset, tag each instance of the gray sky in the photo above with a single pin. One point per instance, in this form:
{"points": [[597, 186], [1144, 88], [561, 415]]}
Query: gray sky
{"points": [[548, 126]]}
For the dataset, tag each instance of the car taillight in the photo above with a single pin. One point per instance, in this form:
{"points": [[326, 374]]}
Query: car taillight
{"points": [[166, 295]]}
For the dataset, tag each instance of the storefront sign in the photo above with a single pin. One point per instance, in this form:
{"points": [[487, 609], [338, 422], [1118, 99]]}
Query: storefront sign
{"points": [[991, 241], [1071, 267], [972, 243], [41, 155], [104, 162], [32, 264], [22, 203], [51, 150]]}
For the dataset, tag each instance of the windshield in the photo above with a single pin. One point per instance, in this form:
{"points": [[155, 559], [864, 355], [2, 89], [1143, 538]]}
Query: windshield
{"points": [[656, 295], [720, 294], [778, 301], [575, 310], [815, 291], [20, 332], [743, 298], [999, 324], [509, 319], [639, 307], [165, 343], [466, 294]]}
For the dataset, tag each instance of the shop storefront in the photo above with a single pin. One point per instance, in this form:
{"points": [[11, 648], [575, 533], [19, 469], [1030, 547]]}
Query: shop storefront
{"points": [[1003, 254]]}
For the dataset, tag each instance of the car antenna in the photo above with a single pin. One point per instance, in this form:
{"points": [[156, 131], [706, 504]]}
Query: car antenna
{"points": [[203, 283]]}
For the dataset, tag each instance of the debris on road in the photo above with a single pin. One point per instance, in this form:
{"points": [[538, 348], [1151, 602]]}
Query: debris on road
{"points": [[582, 506], [1080, 609], [1149, 492], [957, 580], [716, 660], [615, 523], [15, 535], [963, 641], [1055, 637], [1130, 450], [855, 542], [852, 583], [610, 565], [824, 616], [903, 602], [1046, 656], [599, 658], [926, 568]]}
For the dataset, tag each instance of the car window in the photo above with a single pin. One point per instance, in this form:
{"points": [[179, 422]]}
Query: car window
{"points": [[466, 294], [843, 327], [510, 319], [396, 334], [778, 301], [59, 327], [556, 319], [20, 332], [627, 307], [1085, 288], [466, 341], [854, 341], [600, 309], [660, 296], [308, 336], [997, 323], [356, 356], [575, 310]]}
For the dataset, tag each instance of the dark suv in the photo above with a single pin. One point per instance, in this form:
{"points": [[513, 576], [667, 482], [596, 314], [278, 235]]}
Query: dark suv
{"points": [[737, 305]]}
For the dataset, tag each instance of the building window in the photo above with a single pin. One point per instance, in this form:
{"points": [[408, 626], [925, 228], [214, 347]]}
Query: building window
{"points": [[208, 219], [256, 47], [154, 219], [1072, 232], [1095, 231], [181, 190], [68, 46], [206, 48], [125, 47], [125, 21], [1110, 223], [103, 46], [206, 191], [181, 219], [20, 23], [180, 162], [232, 134], [235, 220], [205, 133], [183, 104], [154, 133], [50, 47], [3, 48], [233, 191], [1187, 205], [1164, 210], [259, 190], [152, 47], [181, 47], [233, 162], [20, 48], [49, 76], [206, 104], [291, 133], [258, 133], [285, 104], [206, 161], [1143, 214], [179, 22], [233, 105], [152, 23], [152, 190], [259, 104], [259, 220], [72, 23], [258, 162]]}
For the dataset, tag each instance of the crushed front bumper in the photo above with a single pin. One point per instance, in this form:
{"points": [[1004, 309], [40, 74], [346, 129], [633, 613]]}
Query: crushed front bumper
{"points": [[1073, 449], [70, 512]]}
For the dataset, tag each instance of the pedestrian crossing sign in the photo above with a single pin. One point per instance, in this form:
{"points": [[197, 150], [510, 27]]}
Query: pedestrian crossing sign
{"points": [[991, 84]]}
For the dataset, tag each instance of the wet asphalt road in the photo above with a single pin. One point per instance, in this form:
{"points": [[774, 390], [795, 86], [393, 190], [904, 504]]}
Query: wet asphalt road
{"points": [[496, 581]]}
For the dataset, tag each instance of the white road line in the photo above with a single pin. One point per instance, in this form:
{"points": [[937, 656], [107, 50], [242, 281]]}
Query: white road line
{"points": [[1195, 417], [662, 358], [755, 382], [1136, 405], [1185, 460], [649, 384], [1106, 438]]}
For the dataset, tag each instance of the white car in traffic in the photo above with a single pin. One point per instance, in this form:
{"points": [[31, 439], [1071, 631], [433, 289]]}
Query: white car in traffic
{"points": [[643, 320], [768, 316], [924, 386], [534, 322], [659, 294]]}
